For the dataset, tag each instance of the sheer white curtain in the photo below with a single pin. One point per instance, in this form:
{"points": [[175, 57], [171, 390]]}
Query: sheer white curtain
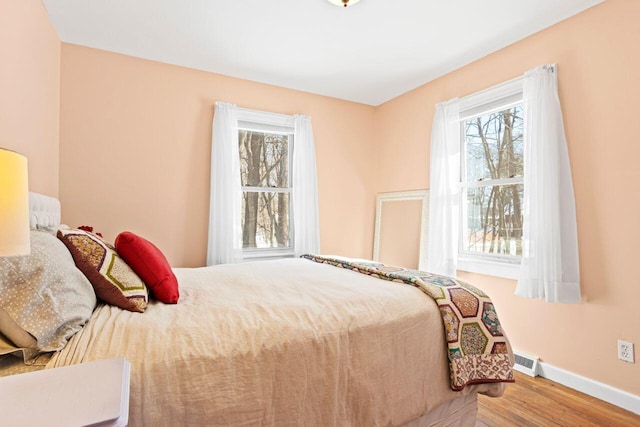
{"points": [[305, 189], [444, 198], [225, 229], [550, 267]]}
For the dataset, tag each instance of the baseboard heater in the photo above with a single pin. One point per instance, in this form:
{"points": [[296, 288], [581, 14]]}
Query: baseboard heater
{"points": [[526, 363]]}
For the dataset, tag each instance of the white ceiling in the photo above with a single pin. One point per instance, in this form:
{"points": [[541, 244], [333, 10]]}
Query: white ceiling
{"points": [[370, 52]]}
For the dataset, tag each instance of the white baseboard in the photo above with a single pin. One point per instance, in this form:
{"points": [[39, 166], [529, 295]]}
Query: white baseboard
{"points": [[602, 391]]}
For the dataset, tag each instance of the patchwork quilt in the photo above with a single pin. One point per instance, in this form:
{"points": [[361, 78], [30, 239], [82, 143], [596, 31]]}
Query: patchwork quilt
{"points": [[478, 349]]}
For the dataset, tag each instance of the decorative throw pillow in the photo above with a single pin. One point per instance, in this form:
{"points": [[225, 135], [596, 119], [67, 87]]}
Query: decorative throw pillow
{"points": [[150, 264], [112, 279], [44, 296]]}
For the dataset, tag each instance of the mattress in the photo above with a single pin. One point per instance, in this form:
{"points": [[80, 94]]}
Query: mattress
{"points": [[277, 343]]}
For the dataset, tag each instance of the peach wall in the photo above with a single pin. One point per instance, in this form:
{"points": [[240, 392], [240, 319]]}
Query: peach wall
{"points": [[135, 142], [597, 55], [30, 89]]}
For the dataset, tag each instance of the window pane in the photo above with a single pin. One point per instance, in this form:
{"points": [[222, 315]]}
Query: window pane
{"points": [[494, 220], [264, 159], [494, 144], [265, 219]]}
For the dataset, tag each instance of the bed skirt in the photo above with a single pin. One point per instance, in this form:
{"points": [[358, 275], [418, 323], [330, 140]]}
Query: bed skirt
{"points": [[460, 412]]}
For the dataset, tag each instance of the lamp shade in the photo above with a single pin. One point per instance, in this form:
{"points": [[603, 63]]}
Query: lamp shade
{"points": [[14, 204]]}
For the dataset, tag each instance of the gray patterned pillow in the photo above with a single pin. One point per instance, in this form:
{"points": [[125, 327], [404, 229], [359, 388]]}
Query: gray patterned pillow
{"points": [[45, 294]]}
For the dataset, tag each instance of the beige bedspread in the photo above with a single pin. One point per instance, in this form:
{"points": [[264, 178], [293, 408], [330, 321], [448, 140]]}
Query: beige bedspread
{"points": [[277, 343]]}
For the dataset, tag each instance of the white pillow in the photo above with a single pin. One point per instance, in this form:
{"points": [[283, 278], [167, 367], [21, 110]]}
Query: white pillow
{"points": [[44, 294], [18, 336]]}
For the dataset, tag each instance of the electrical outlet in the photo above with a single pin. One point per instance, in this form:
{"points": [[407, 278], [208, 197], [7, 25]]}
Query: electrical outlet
{"points": [[625, 351]]}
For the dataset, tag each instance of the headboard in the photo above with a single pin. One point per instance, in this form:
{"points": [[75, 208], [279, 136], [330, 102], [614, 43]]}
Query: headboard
{"points": [[44, 211]]}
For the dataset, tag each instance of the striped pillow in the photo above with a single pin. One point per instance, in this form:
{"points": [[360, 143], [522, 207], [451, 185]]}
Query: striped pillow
{"points": [[113, 280]]}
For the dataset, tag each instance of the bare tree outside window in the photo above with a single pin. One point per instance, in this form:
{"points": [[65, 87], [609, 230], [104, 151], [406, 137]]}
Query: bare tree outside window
{"points": [[492, 182], [264, 169]]}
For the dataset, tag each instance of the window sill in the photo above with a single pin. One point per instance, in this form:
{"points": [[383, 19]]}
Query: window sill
{"points": [[266, 254], [490, 268]]}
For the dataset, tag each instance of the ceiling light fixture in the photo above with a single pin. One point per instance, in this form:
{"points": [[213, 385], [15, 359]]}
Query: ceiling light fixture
{"points": [[344, 3]]}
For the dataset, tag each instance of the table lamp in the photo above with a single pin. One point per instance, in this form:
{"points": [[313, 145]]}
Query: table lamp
{"points": [[14, 204]]}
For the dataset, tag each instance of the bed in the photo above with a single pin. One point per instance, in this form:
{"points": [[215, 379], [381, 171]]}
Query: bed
{"points": [[275, 343]]}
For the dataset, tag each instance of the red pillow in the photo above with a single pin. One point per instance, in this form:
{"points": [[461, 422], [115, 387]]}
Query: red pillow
{"points": [[150, 264]]}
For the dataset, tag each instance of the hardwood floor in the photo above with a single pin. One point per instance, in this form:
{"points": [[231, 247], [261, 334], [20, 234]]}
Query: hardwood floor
{"points": [[541, 402]]}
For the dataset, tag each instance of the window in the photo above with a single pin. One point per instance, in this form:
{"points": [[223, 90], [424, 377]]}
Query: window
{"points": [[491, 181], [264, 193], [265, 146]]}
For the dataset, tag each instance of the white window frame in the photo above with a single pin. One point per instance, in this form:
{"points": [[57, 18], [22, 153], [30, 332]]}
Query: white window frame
{"points": [[262, 121], [496, 98]]}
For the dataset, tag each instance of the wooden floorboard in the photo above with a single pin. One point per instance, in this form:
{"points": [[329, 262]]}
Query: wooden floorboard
{"points": [[541, 402]]}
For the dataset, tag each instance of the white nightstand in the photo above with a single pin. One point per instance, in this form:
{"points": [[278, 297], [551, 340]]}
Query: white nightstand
{"points": [[94, 393]]}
